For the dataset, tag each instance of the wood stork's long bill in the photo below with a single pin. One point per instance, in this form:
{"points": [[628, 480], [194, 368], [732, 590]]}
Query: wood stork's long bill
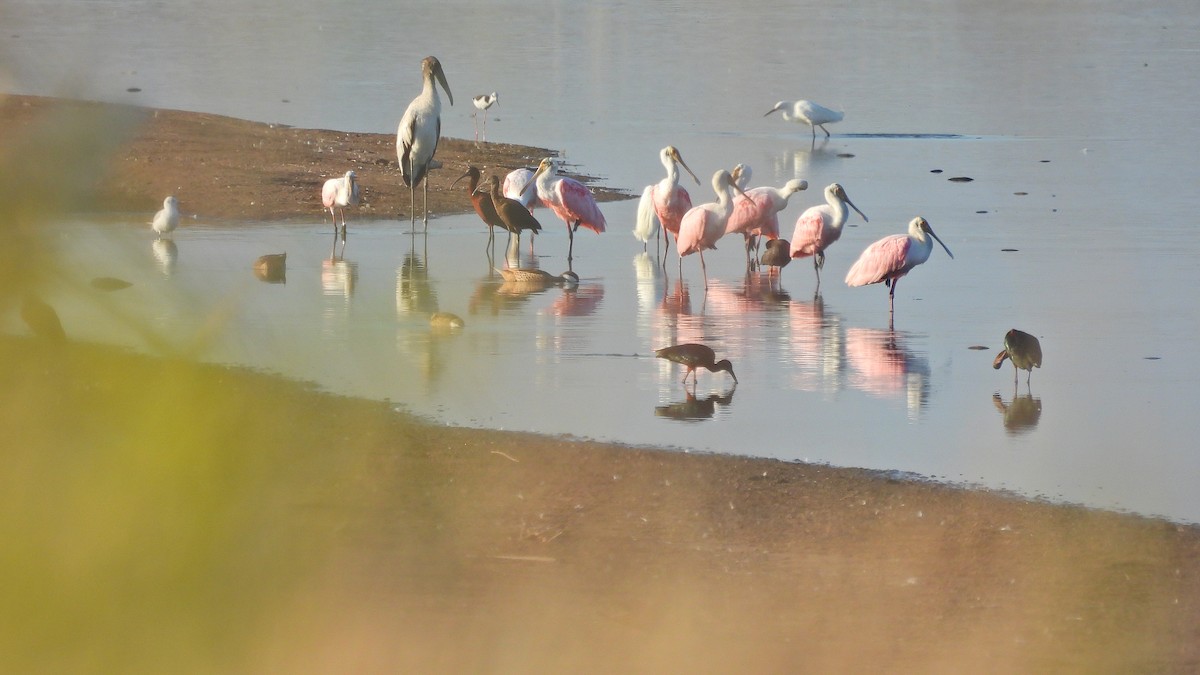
{"points": [[433, 68]]}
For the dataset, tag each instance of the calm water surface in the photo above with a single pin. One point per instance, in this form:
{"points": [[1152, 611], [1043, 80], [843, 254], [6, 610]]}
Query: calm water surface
{"points": [[1082, 150]]}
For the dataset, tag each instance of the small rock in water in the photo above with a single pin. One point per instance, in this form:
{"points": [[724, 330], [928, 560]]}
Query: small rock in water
{"points": [[935, 171], [133, 90], [845, 155], [1008, 250], [960, 179], [446, 321], [1153, 358], [981, 212], [978, 347], [1020, 194]]}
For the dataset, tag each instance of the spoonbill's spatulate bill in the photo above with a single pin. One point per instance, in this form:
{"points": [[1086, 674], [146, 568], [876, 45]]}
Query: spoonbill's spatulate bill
{"points": [[893, 257], [819, 226]]}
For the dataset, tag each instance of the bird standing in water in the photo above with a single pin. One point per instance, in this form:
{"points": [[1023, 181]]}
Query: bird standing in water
{"points": [[482, 204], [338, 193], [893, 257], [482, 102], [694, 355], [513, 216], [418, 134], [818, 227], [807, 112], [664, 203], [167, 218], [1023, 350], [569, 199]]}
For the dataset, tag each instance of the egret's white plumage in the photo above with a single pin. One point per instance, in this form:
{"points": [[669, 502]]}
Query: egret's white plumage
{"points": [[807, 112], [419, 131], [167, 218]]}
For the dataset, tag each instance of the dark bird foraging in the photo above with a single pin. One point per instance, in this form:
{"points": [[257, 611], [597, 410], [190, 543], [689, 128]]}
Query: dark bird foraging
{"points": [[693, 356], [513, 215], [536, 276], [1023, 350], [271, 268], [482, 203]]}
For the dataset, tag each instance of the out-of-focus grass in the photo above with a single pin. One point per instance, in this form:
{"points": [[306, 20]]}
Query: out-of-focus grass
{"points": [[145, 504]]}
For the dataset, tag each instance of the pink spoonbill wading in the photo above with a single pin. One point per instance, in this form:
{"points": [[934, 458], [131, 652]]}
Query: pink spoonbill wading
{"points": [[664, 203], [703, 225], [569, 199], [819, 226], [893, 257], [338, 193], [757, 214], [418, 134]]}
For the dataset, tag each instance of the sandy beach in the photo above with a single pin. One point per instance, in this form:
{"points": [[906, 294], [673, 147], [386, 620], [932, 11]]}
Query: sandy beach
{"points": [[176, 516]]}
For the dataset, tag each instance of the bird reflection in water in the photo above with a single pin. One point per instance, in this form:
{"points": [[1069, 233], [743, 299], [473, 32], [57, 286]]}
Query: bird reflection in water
{"points": [[271, 268], [414, 292], [885, 367], [1021, 414], [693, 409], [166, 254], [338, 277]]}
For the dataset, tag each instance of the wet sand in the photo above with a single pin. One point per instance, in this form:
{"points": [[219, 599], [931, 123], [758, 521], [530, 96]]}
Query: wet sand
{"points": [[180, 514]]}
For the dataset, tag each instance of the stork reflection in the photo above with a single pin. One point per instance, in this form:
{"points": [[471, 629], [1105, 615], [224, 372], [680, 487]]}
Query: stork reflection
{"points": [[1021, 414]]}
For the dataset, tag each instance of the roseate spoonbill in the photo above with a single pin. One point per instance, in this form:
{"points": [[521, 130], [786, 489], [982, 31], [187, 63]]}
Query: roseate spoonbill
{"points": [[694, 355], [819, 226], [894, 256], [807, 112], [777, 256], [515, 187], [513, 216], [664, 203], [703, 225], [482, 102], [419, 132], [482, 204], [758, 214], [569, 199], [1023, 350], [338, 193], [167, 218]]}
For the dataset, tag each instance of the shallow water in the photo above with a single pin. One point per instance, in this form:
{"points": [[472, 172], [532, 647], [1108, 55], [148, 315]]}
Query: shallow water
{"points": [[1098, 204]]}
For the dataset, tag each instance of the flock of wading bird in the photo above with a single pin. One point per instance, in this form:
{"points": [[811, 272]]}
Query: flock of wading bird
{"points": [[665, 206]]}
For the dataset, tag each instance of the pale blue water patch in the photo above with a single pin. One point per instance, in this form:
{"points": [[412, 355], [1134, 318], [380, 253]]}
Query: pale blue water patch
{"points": [[1081, 150]]}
